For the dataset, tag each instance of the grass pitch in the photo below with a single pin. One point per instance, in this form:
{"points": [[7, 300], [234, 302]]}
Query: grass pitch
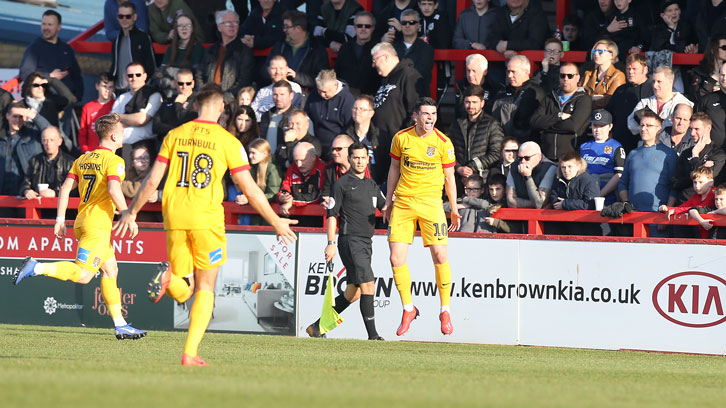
{"points": [[44, 366]]}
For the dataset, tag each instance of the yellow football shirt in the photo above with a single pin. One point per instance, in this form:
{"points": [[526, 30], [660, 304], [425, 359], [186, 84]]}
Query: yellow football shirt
{"points": [[92, 171], [422, 162], [198, 154]]}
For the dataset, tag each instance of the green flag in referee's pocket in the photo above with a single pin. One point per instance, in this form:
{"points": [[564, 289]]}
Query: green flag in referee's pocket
{"points": [[329, 318]]}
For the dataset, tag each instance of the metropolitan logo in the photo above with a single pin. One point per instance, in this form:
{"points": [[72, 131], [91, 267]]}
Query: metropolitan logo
{"points": [[51, 306]]}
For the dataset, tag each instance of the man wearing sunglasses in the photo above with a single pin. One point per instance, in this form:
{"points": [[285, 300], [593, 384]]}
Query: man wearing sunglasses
{"points": [[18, 144], [131, 44], [354, 64], [179, 109], [417, 50], [563, 115], [110, 19], [530, 178], [334, 26]]}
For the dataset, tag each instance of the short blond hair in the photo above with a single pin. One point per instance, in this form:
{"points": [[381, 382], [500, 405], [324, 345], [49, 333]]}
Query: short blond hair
{"points": [[106, 124], [610, 46]]}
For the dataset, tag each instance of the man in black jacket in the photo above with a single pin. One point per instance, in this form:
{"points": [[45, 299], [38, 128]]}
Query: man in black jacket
{"points": [[713, 105], [47, 170], [623, 101], [563, 115], [514, 105], [179, 109], [304, 54], [353, 64], [527, 31], [131, 45], [477, 67], [228, 63], [417, 50], [477, 138]]}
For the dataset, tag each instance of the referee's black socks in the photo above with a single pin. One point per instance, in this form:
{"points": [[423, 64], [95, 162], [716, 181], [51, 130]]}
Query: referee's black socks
{"points": [[369, 319]]}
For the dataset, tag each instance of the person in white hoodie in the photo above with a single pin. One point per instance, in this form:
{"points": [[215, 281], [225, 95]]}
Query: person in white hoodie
{"points": [[663, 102]]}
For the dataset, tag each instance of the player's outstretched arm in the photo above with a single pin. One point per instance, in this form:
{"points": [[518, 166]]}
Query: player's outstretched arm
{"points": [[394, 173], [60, 221], [259, 202], [450, 184], [148, 187]]}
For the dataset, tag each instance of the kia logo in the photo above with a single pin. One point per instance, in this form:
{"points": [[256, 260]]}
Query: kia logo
{"points": [[691, 299]]}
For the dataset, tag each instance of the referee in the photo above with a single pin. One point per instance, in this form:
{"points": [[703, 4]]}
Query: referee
{"points": [[355, 198]]}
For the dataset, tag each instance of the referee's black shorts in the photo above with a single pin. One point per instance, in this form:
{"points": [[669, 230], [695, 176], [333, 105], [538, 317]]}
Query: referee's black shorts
{"points": [[356, 252]]}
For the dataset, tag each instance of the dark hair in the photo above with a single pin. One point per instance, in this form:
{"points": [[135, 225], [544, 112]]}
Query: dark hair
{"points": [[297, 18], [17, 104], [283, 84], [720, 189], [137, 64], [424, 101], [53, 13], [572, 19], [639, 58], [703, 117], [554, 40], [366, 98], [710, 55], [184, 71], [208, 92], [570, 64], [496, 179], [250, 134], [28, 83], [104, 77], [647, 113], [474, 90], [475, 178], [128, 4], [174, 46], [356, 146], [571, 155]]}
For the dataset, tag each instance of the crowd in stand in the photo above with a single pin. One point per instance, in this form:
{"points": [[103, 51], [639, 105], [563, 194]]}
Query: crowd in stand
{"points": [[625, 125]]}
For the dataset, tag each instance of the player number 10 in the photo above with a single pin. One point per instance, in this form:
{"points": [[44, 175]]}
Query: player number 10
{"points": [[197, 170]]}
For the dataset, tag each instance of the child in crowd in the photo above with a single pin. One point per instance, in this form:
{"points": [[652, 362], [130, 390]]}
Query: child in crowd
{"points": [[719, 207], [87, 136], [703, 197], [605, 157], [470, 204], [496, 185], [245, 96], [434, 27], [574, 189]]}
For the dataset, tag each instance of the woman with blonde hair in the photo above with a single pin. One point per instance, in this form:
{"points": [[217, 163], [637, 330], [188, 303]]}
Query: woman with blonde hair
{"points": [[601, 82], [265, 172]]}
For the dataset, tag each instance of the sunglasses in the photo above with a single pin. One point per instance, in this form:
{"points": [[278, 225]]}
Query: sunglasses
{"points": [[409, 22], [528, 158], [722, 47], [600, 51], [45, 85], [511, 150], [138, 75], [125, 16], [184, 83], [568, 76], [364, 26], [337, 149]]}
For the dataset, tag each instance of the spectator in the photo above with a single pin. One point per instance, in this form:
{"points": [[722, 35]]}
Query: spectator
{"points": [[354, 64], [718, 208], [475, 26], [245, 96], [572, 33], [44, 107], [703, 79], [530, 179], [205, 12], [277, 69], [297, 131], [111, 24], [509, 151], [179, 108], [334, 24], [162, 20], [673, 33], [52, 57], [678, 136], [274, 122], [601, 82], [303, 181], [563, 115], [713, 105], [605, 157], [6, 98], [338, 166], [574, 189], [136, 108], [598, 23], [362, 129], [304, 55], [629, 29], [549, 75], [225, 119], [471, 205], [435, 28], [330, 109], [263, 27], [130, 45], [476, 139], [244, 126], [263, 169], [477, 67], [141, 159], [703, 153], [18, 145], [514, 105], [49, 167], [409, 46], [393, 102], [228, 63], [186, 50], [518, 27], [623, 101], [87, 136], [703, 195], [646, 180], [662, 102], [496, 186], [389, 19], [710, 20]]}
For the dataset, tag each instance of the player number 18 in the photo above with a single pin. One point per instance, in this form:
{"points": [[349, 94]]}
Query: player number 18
{"points": [[197, 170]]}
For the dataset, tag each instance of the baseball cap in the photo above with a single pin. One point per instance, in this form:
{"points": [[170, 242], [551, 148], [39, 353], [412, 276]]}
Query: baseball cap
{"points": [[667, 3], [601, 117]]}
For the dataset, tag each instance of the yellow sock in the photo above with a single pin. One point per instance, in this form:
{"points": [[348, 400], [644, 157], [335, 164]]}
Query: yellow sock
{"points": [[62, 271], [403, 283], [199, 320], [178, 289], [443, 281], [111, 296]]}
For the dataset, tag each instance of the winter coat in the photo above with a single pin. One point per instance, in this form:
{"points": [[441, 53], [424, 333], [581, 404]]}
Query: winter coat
{"points": [[479, 148], [560, 136]]}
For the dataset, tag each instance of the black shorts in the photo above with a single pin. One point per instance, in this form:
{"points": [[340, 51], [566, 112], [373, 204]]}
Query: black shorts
{"points": [[356, 253]]}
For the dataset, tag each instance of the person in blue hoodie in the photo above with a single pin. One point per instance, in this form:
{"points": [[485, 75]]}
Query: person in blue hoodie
{"points": [[330, 109]]}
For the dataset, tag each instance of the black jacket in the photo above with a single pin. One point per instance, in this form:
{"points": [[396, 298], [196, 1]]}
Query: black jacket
{"points": [[282, 127], [528, 32], [681, 181], [330, 117], [266, 32], [560, 136], [713, 105], [491, 89], [356, 70], [141, 51], [634, 35], [283, 156], [699, 82], [42, 171], [436, 30], [621, 105], [313, 59], [706, 25], [513, 108], [422, 56], [578, 194], [683, 35], [172, 115], [236, 69], [479, 147]]}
